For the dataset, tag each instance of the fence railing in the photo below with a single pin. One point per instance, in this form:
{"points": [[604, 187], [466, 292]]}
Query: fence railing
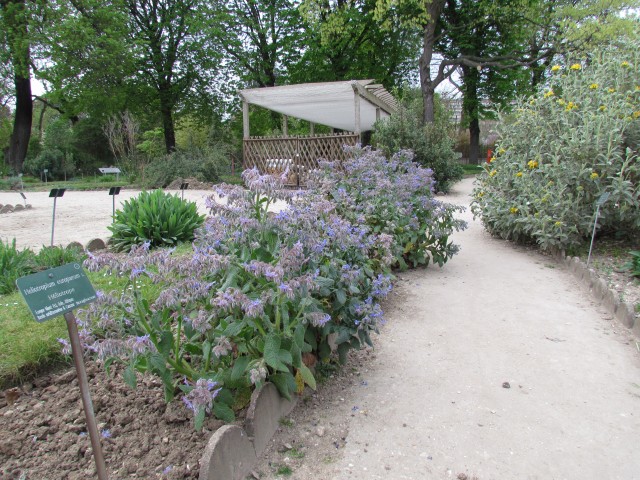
{"points": [[298, 154]]}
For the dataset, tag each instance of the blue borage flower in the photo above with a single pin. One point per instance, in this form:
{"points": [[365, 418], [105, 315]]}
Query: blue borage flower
{"points": [[202, 395]]}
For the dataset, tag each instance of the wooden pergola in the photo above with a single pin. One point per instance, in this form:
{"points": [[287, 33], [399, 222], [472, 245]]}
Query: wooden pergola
{"points": [[351, 106]]}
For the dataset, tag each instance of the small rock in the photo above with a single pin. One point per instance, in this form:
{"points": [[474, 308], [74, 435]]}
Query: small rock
{"points": [[504, 385], [320, 431], [462, 476]]}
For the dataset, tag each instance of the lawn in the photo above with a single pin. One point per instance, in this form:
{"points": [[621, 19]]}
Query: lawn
{"points": [[28, 347]]}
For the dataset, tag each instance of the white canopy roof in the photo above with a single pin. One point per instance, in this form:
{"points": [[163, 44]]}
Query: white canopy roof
{"points": [[348, 105]]}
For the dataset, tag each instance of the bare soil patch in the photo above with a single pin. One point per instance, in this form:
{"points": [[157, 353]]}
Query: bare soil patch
{"points": [[43, 432]]}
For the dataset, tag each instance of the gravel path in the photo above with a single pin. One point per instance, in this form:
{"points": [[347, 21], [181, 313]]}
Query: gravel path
{"points": [[80, 216], [496, 366]]}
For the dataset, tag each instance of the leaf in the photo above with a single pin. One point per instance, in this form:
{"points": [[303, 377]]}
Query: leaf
{"points": [[240, 367], [224, 412], [272, 353], [198, 420], [129, 376], [341, 296], [307, 376], [193, 349], [343, 349], [281, 382], [165, 346]]}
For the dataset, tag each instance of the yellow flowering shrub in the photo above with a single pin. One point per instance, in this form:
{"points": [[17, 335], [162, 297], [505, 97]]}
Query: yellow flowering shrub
{"points": [[580, 138]]}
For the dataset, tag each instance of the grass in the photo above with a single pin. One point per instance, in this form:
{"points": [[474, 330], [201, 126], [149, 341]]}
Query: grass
{"points": [[284, 470], [286, 422], [231, 179], [29, 348], [88, 183], [295, 453], [470, 169]]}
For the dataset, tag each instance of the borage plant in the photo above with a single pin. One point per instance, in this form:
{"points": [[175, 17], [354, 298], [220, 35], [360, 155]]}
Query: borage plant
{"points": [[277, 280]]}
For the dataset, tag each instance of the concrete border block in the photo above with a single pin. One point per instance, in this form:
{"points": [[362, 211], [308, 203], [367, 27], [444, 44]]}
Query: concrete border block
{"points": [[610, 301], [593, 279], [229, 455], [95, 244], [636, 327], [266, 409], [6, 209], [626, 315], [18, 207], [601, 289], [76, 245]]}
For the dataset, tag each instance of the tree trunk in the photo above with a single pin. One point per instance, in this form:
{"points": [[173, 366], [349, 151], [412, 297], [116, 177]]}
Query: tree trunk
{"points": [[16, 18], [474, 141], [166, 110], [21, 124], [471, 109], [427, 84]]}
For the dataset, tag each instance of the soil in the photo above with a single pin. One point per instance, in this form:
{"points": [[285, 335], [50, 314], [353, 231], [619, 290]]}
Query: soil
{"points": [[43, 431], [610, 259]]}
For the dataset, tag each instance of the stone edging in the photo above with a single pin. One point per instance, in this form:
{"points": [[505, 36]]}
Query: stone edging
{"points": [[232, 450], [14, 208], [624, 312]]}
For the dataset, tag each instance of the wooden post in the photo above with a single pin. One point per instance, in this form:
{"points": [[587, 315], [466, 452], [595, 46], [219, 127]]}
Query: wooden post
{"points": [[245, 118], [92, 428], [377, 114], [312, 128], [356, 105], [285, 125]]}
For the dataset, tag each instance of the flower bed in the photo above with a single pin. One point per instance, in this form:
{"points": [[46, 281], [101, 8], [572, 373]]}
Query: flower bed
{"points": [[265, 295]]}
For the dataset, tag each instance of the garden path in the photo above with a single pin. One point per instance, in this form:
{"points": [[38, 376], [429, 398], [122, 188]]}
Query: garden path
{"points": [[496, 366]]}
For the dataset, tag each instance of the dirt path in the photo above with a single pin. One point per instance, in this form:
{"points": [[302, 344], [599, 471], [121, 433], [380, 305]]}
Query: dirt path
{"points": [[497, 366]]}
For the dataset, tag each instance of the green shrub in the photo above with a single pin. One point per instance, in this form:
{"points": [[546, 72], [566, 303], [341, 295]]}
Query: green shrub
{"points": [[634, 264], [204, 164], [158, 218], [14, 264], [562, 149], [51, 257], [431, 144]]}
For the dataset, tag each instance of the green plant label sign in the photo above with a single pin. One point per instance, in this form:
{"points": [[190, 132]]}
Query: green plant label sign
{"points": [[56, 291]]}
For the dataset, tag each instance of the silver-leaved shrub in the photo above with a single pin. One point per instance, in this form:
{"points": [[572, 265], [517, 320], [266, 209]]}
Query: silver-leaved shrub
{"points": [[563, 149]]}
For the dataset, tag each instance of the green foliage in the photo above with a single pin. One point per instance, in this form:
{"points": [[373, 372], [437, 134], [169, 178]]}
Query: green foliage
{"points": [[431, 144], [51, 257], [634, 264], [563, 149], [14, 264], [204, 164], [158, 218]]}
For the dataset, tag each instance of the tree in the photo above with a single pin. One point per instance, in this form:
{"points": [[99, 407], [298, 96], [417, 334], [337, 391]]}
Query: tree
{"points": [[90, 59], [174, 44], [15, 28], [345, 41], [530, 33], [261, 38]]}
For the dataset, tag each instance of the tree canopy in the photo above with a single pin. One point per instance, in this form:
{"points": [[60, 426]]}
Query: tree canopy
{"points": [[163, 60]]}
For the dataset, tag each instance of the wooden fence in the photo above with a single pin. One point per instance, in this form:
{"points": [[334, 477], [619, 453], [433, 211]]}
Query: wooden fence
{"points": [[300, 154]]}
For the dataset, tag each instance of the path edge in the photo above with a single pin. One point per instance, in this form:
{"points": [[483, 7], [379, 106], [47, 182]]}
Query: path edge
{"points": [[623, 312]]}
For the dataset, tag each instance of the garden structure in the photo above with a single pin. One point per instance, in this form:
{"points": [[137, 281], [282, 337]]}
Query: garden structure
{"points": [[351, 107]]}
